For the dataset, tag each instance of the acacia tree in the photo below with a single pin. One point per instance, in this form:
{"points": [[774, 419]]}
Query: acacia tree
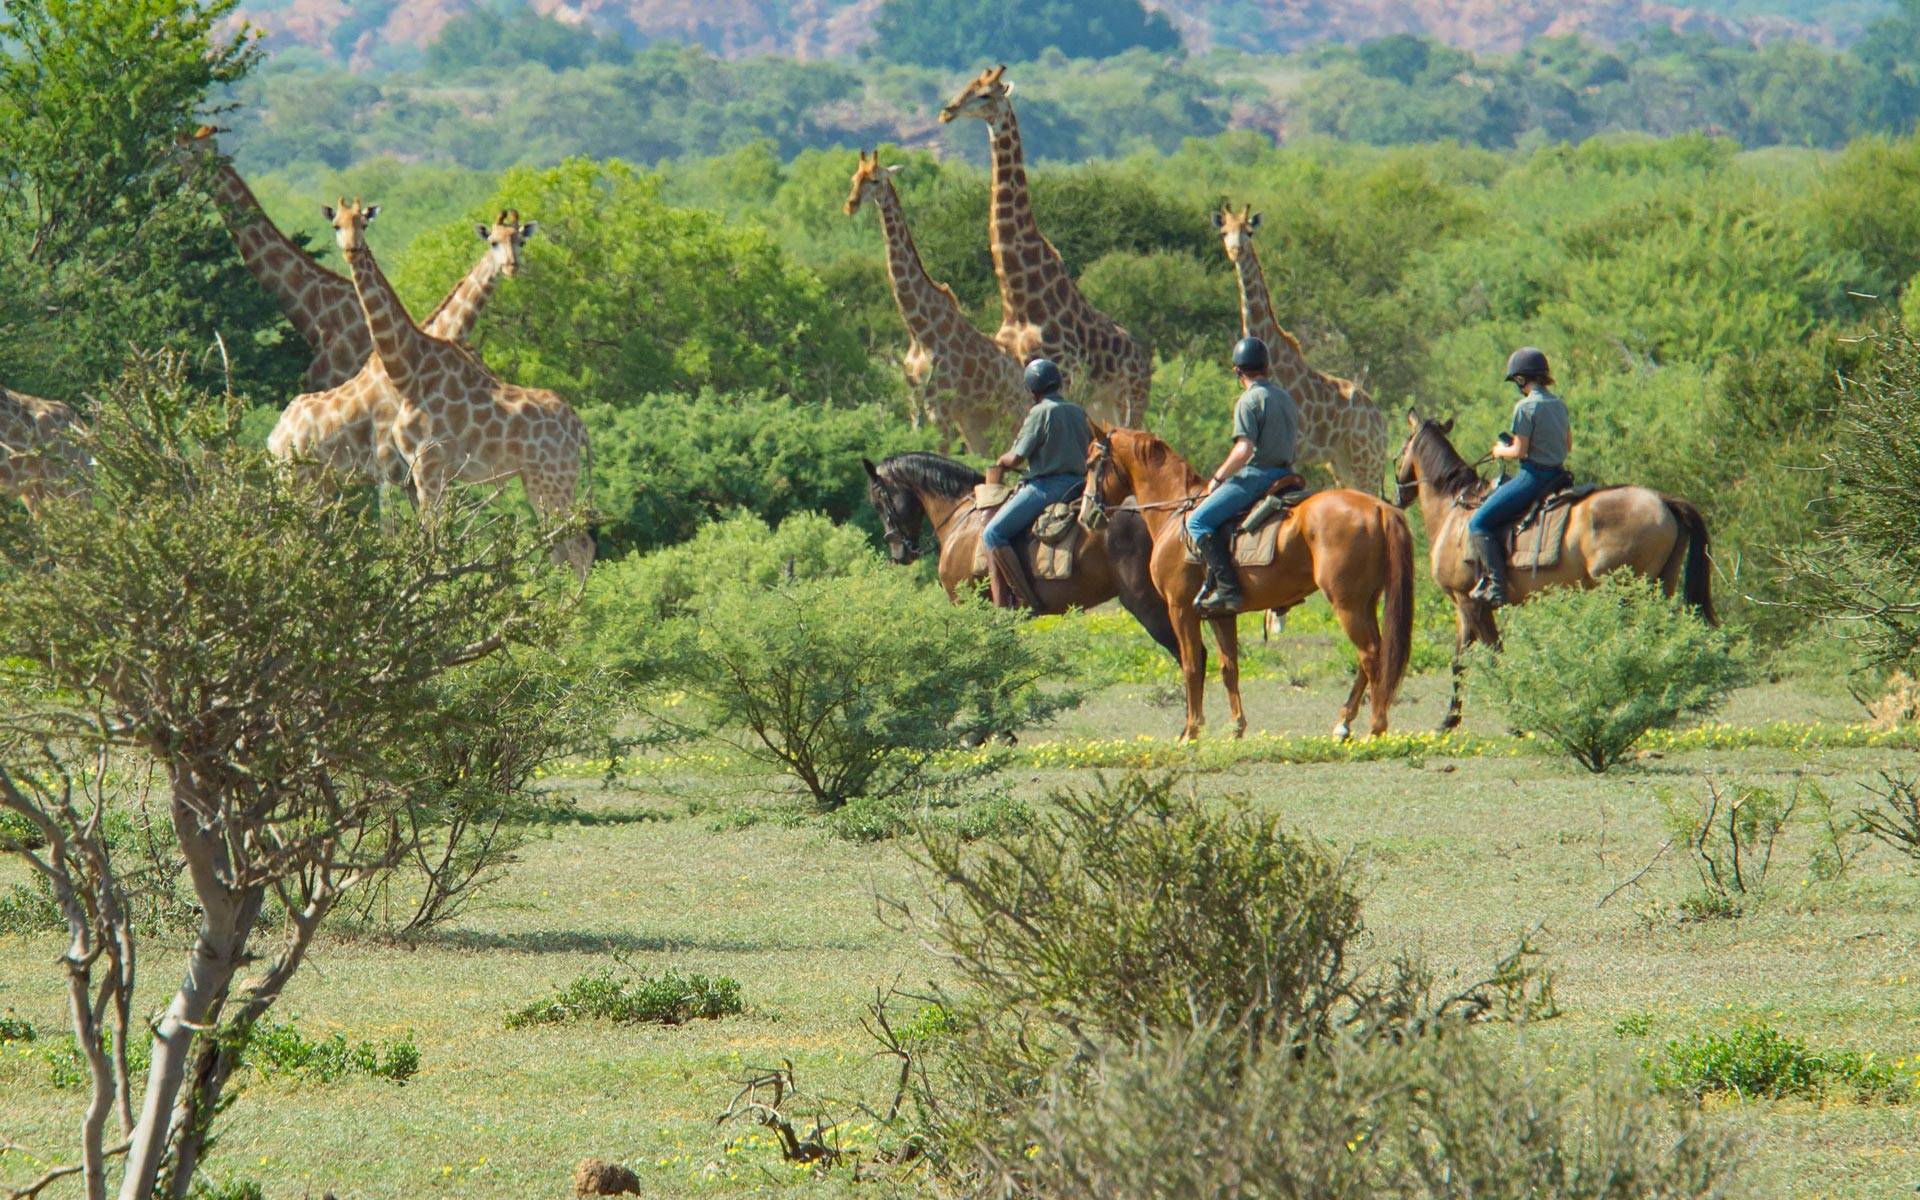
{"points": [[293, 673]]}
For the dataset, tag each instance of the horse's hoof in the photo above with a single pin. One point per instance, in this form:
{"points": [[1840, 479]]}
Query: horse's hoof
{"points": [[1448, 725], [1342, 732], [1240, 731]]}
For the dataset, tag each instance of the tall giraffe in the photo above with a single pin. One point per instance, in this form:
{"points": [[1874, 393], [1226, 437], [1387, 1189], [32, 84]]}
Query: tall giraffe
{"points": [[964, 378], [348, 428], [319, 304], [1339, 424], [455, 421], [1042, 310], [37, 454]]}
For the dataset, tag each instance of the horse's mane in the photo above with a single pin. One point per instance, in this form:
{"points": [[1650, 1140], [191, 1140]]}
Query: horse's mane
{"points": [[934, 473], [1441, 466], [1154, 453]]}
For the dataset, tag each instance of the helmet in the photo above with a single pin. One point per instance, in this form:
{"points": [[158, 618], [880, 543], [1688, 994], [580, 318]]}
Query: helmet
{"points": [[1250, 354], [1043, 377], [1526, 361]]}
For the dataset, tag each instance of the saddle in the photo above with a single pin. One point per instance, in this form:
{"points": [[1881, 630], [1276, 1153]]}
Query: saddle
{"points": [[1049, 546], [1535, 540], [1255, 538]]}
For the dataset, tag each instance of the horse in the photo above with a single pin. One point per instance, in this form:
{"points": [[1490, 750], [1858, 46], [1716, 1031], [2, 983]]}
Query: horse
{"points": [[1352, 547], [1110, 563], [1633, 528]]}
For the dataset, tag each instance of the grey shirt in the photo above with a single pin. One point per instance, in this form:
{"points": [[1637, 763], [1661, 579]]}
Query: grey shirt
{"points": [[1054, 438], [1267, 416], [1542, 419]]}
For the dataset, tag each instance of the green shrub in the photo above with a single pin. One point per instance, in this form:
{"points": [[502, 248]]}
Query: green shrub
{"points": [[1207, 1113], [850, 686], [1593, 671], [275, 1049], [30, 908], [1894, 816], [16, 1028], [970, 816], [1758, 1061], [1729, 838], [668, 999]]}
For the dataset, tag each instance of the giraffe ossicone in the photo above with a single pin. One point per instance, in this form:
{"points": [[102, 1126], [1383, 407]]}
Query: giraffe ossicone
{"points": [[962, 378]]}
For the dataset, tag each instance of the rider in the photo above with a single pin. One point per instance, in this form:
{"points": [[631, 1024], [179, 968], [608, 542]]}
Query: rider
{"points": [[1541, 438], [1053, 442], [1266, 423]]}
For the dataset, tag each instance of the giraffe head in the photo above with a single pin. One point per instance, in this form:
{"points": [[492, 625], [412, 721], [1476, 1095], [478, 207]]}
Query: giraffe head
{"points": [[506, 235], [867, 178], [1236, 230], [350, 223], [985, 98]]}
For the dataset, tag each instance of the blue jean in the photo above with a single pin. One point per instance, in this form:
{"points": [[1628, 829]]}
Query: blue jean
{"points": [[1023, 508], [1511, 500], [1240, 492]]}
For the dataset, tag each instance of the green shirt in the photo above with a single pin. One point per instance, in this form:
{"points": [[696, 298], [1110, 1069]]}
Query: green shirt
{"points": [[1542, 419], [1054, 439], [1267, 416]]}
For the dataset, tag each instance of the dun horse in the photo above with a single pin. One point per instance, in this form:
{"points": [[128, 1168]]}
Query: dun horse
{"points": [[910, 488], [1351, 546], [1635, 528]]}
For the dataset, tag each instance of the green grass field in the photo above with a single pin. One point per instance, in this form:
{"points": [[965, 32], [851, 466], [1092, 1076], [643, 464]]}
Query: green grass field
{"points": [[1460, 856]]}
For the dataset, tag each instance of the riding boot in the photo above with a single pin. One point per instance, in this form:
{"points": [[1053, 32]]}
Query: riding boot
{"points": [[1006, 566], [1218, 553], [1492, 588]]}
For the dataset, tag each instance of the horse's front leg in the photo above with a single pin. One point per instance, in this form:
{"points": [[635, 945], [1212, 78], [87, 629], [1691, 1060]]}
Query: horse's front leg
{"points": [[1462, 638], [1193, 666], [1226, 638]]}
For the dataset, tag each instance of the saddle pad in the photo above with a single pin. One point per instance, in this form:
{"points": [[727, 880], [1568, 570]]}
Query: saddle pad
{"points": [[1046, 561], [1251, 548], [991, 495], [1537, 546], [1055, 522]]}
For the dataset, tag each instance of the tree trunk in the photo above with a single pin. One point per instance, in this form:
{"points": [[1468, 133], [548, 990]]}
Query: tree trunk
{"points": [[226, 921]]}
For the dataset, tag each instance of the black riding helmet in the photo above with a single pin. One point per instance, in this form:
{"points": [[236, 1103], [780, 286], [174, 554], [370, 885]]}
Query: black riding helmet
{"points": [[1526, 361], [1043, 377], [1250, 354]]}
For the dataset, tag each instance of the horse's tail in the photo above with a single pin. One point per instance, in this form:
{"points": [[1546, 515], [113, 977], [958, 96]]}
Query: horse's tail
{"points": [[1697, 576], [1397, 610]]}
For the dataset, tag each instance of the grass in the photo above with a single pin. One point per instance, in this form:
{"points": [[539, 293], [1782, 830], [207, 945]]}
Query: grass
{"points": [[1462, 852]]}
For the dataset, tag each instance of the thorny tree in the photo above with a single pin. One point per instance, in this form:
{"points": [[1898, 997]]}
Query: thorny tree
{"points": [[289, 668]]}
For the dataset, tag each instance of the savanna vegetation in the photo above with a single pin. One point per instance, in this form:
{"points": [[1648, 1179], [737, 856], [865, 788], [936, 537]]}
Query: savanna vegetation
{"points": [[366, 855]]}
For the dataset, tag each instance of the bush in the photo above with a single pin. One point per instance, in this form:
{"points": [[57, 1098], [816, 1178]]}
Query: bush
{"points": [[1729, 838], [277, 1049], [15, 1028], [1593, 671], [1894, 815], [969, 817], [669, 465], [850, 686], [1758, 1061], [1205, 1113], [669, 999]]}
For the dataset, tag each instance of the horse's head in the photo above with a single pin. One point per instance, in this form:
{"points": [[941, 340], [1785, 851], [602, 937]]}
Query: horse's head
{"points": [[1406, 467], [900, 515], [1108, 484]]}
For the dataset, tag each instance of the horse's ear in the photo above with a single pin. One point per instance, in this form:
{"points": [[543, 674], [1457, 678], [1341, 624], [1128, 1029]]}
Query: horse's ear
{"points": [[873, 472], [1446, 426], [1413, 418], [1100, 431]]}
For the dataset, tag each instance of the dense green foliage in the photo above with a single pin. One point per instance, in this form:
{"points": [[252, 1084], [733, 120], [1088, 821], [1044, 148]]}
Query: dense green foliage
{"points": [[1593, 671], [1757, 1061], [99, 245], [669, 998], [960, 33]]}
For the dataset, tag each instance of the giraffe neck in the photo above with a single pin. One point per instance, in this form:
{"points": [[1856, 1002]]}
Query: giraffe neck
{"points": [[1018, 246], [931, 312], [457, 314], [1257, 320], [287, 272], [398, 341]]}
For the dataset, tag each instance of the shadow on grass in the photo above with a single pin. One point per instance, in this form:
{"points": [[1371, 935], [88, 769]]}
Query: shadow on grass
{"points": [[580, 941]]}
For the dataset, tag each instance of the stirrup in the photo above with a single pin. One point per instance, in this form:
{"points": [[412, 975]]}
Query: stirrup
{"points": [[1489, 593]]}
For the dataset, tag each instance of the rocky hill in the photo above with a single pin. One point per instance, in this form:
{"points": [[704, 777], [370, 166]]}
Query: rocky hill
{"points": [[360, 30]]}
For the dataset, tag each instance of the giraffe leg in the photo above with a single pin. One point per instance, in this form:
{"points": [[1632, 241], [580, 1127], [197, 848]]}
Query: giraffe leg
{"points": [[551, 496]]}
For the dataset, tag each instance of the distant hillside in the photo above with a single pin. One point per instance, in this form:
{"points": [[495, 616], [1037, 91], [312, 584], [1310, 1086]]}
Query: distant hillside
{"points": [[372, 33]]}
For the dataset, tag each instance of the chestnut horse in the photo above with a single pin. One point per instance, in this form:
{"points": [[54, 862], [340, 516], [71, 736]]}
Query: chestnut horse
{"points": [[1111, 563], [1635, 528], [1353, 547]]}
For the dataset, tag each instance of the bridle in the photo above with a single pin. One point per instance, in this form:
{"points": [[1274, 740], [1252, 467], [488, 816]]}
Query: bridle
{"points": [[1095, 502], [1406, 490], [912, 545]]}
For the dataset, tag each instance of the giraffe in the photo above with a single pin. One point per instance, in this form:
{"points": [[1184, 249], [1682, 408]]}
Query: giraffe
{"points": [[37, 454], [454, 421], [319, 304], [1339, 425], [1042, 310], [965, 379], [348, 428]]}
